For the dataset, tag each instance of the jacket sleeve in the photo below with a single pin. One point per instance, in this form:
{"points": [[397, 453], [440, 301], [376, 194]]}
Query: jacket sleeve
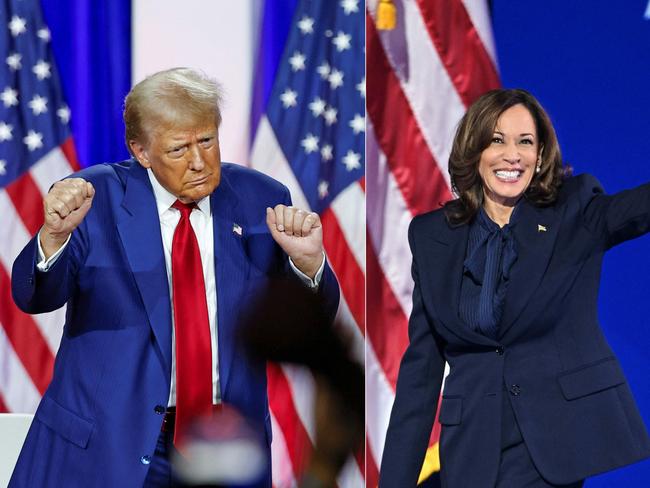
{"points": [[416, 398], [616, 218], [37, 291]]}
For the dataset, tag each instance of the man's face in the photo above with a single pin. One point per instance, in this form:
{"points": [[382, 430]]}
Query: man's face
{"points": [[186, 161]]}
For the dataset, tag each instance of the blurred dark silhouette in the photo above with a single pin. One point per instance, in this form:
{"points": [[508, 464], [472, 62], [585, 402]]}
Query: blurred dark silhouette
{"points": [[287, 324]]}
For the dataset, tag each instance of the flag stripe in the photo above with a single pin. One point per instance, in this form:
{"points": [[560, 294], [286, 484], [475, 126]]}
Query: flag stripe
{"points": [[25, 337], [349, 274], [27, 201], [54, 166], [350, 209], [399, 134], [378, 407], [281, 404], [388, 222], [16, 387], [3, 407], [281, 470], [372, 473], [460, 48], [388, 347]]}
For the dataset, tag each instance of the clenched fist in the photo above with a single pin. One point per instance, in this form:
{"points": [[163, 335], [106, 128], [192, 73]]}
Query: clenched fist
{"points": [[299, 234], [65, 207]]}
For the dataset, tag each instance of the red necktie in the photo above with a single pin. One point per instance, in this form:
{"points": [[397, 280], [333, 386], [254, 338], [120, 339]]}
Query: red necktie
{"points": [[193, 345]]}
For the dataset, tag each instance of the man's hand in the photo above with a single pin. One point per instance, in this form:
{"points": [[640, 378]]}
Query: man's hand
{"points": [[65, 207], [299, 234]]}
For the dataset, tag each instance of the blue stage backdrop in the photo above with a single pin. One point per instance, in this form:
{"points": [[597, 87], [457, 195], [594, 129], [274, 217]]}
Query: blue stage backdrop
{"points": [[91, 42], [589, 64]]}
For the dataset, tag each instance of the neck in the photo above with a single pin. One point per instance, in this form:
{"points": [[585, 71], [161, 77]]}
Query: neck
{"points": [[500, 213]]}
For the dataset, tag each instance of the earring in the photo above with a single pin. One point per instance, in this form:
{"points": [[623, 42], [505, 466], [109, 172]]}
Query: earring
{"points": [[538, 168]]}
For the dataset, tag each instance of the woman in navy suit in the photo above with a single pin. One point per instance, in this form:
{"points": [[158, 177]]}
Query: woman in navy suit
{"points": [[506, 287]]}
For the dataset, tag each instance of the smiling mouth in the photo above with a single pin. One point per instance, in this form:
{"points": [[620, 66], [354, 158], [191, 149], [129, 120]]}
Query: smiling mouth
{"points": [[508, 176]]}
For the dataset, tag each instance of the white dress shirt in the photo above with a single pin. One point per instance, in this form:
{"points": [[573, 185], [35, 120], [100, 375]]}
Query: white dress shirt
{"points": [[201, 221]]}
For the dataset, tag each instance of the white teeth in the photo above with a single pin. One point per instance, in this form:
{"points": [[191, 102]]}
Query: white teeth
{"points": [[508, 175]]}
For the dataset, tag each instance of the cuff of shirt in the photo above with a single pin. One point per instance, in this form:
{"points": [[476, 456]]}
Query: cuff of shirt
{"points": [[313, 284], [45, 264]]}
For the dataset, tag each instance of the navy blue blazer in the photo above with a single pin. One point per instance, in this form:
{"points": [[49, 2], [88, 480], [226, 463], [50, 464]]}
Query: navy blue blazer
{"points": [[570, 398], [101, 414]]}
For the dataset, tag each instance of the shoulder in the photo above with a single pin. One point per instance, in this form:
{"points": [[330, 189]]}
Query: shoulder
{"points": [[250, 181], [106, 173], [579, 189], [434, 219], [432, 223]]}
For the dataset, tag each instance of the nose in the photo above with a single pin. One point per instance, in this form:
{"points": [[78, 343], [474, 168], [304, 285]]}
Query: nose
{"points": [[511, 153], [196, 162]]}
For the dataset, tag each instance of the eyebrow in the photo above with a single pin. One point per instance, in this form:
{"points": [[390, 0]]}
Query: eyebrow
{"points": [[520, 135]]}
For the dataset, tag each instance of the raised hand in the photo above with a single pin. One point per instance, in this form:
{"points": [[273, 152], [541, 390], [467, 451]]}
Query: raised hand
{"points": [[300, 234], [65, 206]]}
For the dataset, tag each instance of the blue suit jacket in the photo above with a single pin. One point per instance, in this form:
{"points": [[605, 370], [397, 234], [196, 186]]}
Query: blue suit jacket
{"points": [[569, 395], [98, 417]]}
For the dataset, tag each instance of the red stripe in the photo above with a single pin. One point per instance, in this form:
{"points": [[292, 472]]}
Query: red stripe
{"points": [[345, 266], [3, 406], [362, 182], [460, 48], [70, 153], [25, 337], [28, 200], [281, 403], [398, 134], [387, 323], [372, 473]]}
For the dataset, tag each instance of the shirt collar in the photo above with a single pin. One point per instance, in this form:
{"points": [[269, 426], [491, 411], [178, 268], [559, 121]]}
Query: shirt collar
{"points": [[164, 199]]}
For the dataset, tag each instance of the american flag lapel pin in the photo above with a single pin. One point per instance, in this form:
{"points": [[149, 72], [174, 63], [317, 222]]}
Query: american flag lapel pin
{"points": [[236, 228], [541, 228]]}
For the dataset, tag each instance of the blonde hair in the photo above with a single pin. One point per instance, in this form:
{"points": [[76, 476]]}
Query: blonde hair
{"points": [[172, 97]]}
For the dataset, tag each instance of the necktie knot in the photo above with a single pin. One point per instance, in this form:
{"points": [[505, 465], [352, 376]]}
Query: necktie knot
{"points": [[184, 208]]}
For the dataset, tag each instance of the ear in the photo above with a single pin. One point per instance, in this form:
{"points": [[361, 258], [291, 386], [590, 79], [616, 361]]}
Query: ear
{"points": [[140, 153]]}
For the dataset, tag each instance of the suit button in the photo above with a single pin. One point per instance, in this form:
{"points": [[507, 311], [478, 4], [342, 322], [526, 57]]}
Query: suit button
{"points": [[30, 280], [515, 390], [159, 409], [145, 459], [499, 350]]}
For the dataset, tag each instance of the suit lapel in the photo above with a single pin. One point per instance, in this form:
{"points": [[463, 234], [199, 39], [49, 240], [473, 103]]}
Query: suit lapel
{"points": [[139, 229], [535, 234], [230, 273], [445, 262]]}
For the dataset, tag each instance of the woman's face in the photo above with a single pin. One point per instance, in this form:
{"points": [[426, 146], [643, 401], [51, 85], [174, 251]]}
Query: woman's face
{"points": [[507, 165]]}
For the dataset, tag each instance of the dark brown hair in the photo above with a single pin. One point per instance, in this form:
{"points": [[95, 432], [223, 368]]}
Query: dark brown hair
{"points": [[474, 135]]}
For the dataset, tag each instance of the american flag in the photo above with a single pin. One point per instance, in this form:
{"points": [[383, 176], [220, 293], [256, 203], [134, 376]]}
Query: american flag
{"points": [[311, 138], [422, 76], [35, 151]]}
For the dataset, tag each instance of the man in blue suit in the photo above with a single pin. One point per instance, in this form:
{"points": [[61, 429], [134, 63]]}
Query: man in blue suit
{"points": [[106, 250]]}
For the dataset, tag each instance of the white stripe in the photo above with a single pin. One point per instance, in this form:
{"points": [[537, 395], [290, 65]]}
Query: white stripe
{"points": [[379, 402], [15, 234], [281, 469], [18, 391], [267, 157], [349, 206], [350, 331], [50, 324], [388, 222], [425, 82], [302, 386], [350, 475], [51, 168], [479, 15]]}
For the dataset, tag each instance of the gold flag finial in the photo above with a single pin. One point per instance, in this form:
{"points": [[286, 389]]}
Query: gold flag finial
{"points": [[386, 15]]}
